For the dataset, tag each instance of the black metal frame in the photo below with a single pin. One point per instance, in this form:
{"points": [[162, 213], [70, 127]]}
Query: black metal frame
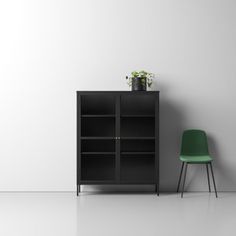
{"points": [[118, 94], [185, 166]]}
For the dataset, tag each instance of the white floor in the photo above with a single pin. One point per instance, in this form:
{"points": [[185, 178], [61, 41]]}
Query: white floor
{"points": [[49, 214]]}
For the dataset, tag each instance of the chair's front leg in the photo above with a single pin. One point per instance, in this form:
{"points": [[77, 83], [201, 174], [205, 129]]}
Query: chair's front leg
{"points": [[208, 179], [180, 176], [185, 173]]}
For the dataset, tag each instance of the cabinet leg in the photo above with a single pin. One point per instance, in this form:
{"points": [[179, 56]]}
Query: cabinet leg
{"points": [[157, 189], [78, 190]]}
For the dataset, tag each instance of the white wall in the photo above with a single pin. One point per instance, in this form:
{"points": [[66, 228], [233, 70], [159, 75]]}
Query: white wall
{"points": [[51, 48]]}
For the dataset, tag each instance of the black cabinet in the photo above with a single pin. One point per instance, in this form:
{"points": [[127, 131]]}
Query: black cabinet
{"points": [[117, 138]]}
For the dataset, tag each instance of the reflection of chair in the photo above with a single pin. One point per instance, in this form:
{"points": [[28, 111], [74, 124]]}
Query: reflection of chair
{"points": [[194, 150]]}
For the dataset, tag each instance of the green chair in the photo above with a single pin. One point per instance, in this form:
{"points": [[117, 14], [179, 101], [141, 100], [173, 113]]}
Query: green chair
{"points": [[194, 150]]}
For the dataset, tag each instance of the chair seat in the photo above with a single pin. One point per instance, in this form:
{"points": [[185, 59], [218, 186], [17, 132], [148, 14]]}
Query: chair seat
{"points": [[196, 159]]}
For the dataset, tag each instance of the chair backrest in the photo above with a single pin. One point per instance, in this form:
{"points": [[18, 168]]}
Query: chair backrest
{"points": [[194, 142]]}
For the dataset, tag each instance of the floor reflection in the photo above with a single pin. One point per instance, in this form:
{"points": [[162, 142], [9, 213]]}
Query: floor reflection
{"points": [[103, 214]]}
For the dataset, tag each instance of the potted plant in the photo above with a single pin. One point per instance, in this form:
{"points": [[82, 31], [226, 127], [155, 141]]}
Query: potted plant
{"points": [[140, 80]]}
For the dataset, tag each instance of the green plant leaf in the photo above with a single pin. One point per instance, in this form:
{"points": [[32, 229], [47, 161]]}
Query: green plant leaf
{"points": [[144, 76]]}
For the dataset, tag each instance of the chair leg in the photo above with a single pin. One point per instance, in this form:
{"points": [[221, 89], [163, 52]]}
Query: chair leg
{"points": [[213, 179], [185, 172], [180, 176], [208, 179]]}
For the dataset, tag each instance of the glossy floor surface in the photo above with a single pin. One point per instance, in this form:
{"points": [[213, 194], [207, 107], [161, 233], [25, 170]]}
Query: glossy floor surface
{"points": [[95, 214]]}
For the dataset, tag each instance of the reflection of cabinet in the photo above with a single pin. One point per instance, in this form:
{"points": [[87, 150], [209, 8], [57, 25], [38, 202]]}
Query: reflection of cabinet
{"points": [[117, 138]]}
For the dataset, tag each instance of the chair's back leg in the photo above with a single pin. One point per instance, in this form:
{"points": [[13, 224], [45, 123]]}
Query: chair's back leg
{"points": [[213, 179]]}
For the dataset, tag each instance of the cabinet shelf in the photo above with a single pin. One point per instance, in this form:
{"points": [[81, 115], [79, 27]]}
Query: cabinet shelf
{"points": [[98, 153], [138, 116], [111, 138], [137, 138], [100, 182], [92, 137], [113, 115], [137, 153], [97, 116]]}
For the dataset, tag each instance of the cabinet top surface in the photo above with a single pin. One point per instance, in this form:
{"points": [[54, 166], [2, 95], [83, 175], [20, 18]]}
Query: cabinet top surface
{"points": [[132, 92]]}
